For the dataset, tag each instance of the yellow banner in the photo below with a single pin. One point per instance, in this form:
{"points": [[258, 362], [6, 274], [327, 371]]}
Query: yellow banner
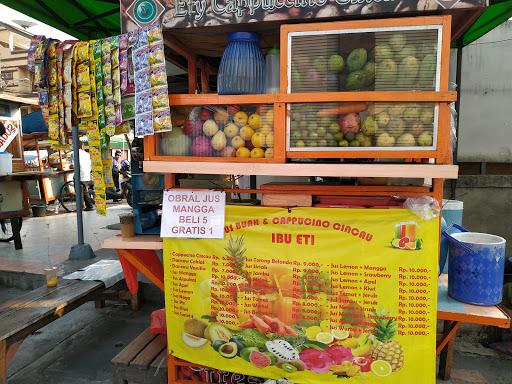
{"points": [[310, 295]]}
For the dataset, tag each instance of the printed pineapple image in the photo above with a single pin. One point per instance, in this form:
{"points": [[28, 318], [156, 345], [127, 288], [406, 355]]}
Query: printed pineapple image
{"points": [[385, 348], [236, 252]]}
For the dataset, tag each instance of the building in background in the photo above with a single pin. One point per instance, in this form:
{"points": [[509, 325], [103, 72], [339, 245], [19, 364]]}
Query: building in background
{"points": [[14, 74]]}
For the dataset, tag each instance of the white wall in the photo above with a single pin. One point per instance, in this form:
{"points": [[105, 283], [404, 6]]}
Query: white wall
{"points": [[485, 132]]}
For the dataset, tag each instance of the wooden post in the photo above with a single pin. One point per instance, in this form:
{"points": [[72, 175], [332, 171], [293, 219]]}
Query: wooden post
{"points": [[3, 362]]}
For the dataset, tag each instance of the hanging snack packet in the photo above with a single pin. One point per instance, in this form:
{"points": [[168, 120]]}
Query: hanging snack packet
{"points": [[160, 97], [53, 103], [123, 62], [53, 126], [144, 124], [101, 205], [107, 172], [110, 113], [35, 51], [94, 134], [142, 80], [98, 73], [83, 80], [162, 120], [140, 58], [125, 127], [53, 76], [158, 76], [82, 51], [116, 78], [155, 34], [143, 102], [84, 105], [96, 161], [128, 108], [140, 38], [156, 55]]}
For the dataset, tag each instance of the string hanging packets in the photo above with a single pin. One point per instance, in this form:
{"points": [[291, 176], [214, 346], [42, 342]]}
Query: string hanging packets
{"points": [[158, 80], [53, 93], [150, 81]]}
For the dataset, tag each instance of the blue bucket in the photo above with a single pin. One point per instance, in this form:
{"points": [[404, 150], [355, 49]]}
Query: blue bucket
{"points": [[476, 266]]}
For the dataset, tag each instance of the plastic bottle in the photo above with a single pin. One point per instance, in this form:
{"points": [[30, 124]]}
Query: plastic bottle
{"points": [[272, 71]]}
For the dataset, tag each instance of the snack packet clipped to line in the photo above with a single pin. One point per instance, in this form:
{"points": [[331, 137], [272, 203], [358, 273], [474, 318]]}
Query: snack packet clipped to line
{"points": [[162, 120]]}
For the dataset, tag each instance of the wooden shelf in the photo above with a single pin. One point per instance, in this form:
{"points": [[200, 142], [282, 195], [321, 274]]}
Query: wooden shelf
{"points": [[306, 169], [313, 97], [151, 242]]}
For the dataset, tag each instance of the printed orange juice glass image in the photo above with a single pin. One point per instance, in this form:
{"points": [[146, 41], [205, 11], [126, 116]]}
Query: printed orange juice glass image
{"points": [[405, 236], [51, 277]]}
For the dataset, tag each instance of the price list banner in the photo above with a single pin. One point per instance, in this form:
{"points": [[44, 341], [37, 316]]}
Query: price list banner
{"points": [[311, 295]]}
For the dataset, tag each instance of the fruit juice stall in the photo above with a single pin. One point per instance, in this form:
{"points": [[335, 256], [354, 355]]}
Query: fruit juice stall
{"points": [[364, 103]]}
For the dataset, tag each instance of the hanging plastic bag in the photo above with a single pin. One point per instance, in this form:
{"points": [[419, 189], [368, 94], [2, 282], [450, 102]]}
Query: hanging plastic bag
{"points": [[425, 207]]}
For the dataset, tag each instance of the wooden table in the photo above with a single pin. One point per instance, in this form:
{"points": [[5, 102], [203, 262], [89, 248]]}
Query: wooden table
{"points": [[138, 254], [23, 315], [454, 313]]}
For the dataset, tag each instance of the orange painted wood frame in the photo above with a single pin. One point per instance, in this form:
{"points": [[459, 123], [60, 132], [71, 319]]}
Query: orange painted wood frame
{"points": [[151, 143], [442, 151]]}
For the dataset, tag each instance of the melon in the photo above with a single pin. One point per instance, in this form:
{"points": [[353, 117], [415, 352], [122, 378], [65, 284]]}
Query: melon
{"points": [[259, 359], [193, 341]]}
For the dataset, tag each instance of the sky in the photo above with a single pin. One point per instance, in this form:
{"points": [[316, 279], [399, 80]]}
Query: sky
{"points": [[9, 14]]}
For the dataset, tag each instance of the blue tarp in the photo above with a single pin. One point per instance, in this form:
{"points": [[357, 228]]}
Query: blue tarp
{"points": [[33, 123]]}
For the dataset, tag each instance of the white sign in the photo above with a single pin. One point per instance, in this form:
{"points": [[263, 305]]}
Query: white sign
{"points": [[11, 131], [193, 214]]}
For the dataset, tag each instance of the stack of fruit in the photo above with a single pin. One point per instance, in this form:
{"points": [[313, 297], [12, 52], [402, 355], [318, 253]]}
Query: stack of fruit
{"points": [[361, 125], [405, 60], [223, 132], [385, 61]]}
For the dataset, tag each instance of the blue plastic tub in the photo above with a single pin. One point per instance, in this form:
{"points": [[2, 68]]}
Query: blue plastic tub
{"points": [[476, 265], [452, 214]]}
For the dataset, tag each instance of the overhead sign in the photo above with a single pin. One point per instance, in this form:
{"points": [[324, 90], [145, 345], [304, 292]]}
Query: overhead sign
{"points": [[312, 295], [199, 13], [193, 214], [11, 131]]}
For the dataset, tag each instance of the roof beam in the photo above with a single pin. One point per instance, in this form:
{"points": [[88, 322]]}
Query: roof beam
{"points": [[52, 12], [86, 13], [97, 17]]}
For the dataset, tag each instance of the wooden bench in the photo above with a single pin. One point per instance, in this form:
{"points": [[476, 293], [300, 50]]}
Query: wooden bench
{"points": [[22, 316], [143, 361]]}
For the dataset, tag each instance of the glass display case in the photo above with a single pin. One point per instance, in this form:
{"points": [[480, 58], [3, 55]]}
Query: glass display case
{"points": [[367, 88], [205, 128]]}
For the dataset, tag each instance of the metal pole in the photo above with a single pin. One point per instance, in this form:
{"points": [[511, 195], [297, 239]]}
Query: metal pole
{"points": [[80, 250], [458, 80], [78, 186]]}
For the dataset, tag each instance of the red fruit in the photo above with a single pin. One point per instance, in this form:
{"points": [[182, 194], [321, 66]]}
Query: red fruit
{"points": [[192, 128], [290, 331], [232, 109], [364, 362], [247, 324], [259, 359], [260, 324], [403, 241], [350, 123], [205, 115], [339, 354]]}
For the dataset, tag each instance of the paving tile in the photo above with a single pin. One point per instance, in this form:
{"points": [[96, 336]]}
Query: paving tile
{"points": [[47, 240], [467, 376]]}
